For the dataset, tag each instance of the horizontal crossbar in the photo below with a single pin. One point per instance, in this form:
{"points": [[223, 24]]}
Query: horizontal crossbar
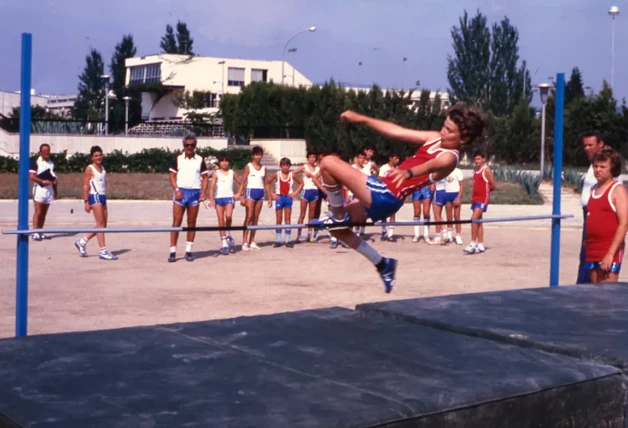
{"points": [[277, 226]]}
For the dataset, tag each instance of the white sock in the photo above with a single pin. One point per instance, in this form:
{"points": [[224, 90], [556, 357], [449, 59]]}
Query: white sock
{"points": [[103, 250], [173, 249], [369, 252], [383, 230], [228, 232], [224, 242], [391, 231], [417, 229], [450, 233], [83, 242], [334, 239], [335, 198], [188, 247]]}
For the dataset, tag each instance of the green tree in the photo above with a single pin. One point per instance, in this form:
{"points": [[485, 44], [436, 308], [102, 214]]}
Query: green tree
{"points": [[37, 113], [89, 104], [485, 66], [181, 43], [574, 88], [123, 50]]}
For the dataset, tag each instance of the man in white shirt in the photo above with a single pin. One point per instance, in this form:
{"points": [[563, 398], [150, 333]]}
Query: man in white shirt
{"points": [[592, 142], [42, 175]]}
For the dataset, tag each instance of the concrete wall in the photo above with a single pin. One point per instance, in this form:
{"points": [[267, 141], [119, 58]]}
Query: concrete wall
{"points": [[295, 150], [9, 143]]}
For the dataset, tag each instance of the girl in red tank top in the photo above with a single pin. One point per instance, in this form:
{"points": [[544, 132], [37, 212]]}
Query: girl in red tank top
{"points": [[607, 219]]}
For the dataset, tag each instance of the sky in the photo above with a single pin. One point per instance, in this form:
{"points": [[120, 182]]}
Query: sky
{"points": [[555, 36]]}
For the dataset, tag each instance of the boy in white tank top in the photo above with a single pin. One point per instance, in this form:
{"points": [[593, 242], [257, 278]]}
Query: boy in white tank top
{"points": [[282, 194], [254, 184], [94, 196], [310, 174], [221, 196]]}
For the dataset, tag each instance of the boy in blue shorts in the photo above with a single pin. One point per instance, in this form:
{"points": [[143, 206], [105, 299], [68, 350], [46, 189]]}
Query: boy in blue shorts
{"points": [[448, 194], [282, 196], [254, 183], [422, 201]]}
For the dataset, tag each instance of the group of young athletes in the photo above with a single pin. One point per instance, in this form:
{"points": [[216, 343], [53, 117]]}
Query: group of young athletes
{"points": [[354, 192]]}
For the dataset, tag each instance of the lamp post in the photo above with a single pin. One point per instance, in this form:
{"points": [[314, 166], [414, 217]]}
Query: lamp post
{"points": [[544, 90], [126, 114], [106, 78], [613, 12], [283, 57], [292, 50], [223, 78]]}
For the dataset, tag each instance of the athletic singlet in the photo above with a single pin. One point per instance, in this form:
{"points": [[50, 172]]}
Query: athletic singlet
{"points": [[97, 182], [481, 192], [427, 152], [256, 177], [283, 187], [602, 222], [224, 184], [366, 169], [308, 182]]}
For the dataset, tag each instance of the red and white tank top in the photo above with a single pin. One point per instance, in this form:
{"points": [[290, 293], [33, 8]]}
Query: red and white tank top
{"points": [[428, 151], [481, 191], [601, 224], [283, 187]]}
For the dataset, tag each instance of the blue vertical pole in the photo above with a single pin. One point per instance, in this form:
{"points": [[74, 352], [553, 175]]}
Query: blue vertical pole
{"points": [[21, 307], [558, 180]]}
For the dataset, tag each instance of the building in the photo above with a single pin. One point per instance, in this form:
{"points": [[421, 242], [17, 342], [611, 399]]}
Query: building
{"points": [[57, 104], [210, 77]]}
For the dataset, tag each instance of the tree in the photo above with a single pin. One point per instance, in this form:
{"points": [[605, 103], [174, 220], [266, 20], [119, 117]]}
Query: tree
{"points": [[182, 43], [484, 68], [574, 88], [89, 104], [37, 113], [123, 50]]}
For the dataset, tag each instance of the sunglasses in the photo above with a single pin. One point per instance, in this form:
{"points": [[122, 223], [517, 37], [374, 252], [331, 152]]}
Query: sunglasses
{"points": [[189, 145]]}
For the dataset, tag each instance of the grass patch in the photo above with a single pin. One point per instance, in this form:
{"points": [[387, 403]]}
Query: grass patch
{"points": [[140, 186]]}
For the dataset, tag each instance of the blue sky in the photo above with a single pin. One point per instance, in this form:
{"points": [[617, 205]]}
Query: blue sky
{"points": [[555, 35]]}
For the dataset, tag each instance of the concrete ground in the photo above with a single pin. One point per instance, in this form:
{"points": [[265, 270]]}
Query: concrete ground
{"points": [[70, 293]]}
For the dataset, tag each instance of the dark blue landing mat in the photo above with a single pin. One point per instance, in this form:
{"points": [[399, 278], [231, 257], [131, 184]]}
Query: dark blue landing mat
{"points": [[585, 321], [322, 368]]}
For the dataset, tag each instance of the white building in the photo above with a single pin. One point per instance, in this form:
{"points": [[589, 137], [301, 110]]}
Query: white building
{"points": [[217, 76], [61, 105], [57, 104]]}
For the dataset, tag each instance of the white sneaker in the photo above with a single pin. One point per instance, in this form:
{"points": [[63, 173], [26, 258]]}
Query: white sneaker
{"points": [[254, 246], [470, 249], [245, 247], [480, 249], [416, 238], [435, 241], [458, 239]]}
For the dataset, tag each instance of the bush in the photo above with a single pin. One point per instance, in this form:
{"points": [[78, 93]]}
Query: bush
{"points": [[530, 182], [146, 161]]}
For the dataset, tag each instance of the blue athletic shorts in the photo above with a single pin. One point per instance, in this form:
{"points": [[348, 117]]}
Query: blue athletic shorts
{"points": [[283, 202], [479, 205], [309, 195], [422, 193], [97, 200], [255, 194], [191, 198], [383, 202], [223, 202], [615, 267], [443, 198]]}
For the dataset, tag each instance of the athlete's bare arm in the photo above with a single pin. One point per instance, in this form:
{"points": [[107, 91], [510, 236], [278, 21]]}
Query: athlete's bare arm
{"points": [[390, 129], [492, 184], [439, 167], [242, 186], [620, 200], [212, 188]]}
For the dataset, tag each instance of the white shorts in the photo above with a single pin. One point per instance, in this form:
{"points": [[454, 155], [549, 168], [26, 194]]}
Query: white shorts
{"points": [[44, 195]]}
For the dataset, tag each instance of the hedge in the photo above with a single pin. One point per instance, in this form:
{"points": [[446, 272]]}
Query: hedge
{"points": [[147, 161]]}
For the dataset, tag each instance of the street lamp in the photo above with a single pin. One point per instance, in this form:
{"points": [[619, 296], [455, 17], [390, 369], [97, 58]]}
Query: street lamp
{"points": [[283, 57], [544, 90], [613, 12], [292, 50], [223, 78], [126, 114], [106, 78]]}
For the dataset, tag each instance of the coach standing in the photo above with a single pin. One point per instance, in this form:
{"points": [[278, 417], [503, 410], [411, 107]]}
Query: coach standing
{"points": [[188, 177], [44, 180], [592, 142]]}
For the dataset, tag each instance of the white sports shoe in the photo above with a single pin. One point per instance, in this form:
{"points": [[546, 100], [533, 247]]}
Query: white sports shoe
{"points": [[254, 246], [245, 247], [470, 249], [416, 238], [435, 241], [458, 239]]}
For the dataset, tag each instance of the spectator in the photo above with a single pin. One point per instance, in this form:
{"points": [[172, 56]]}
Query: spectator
{"points": [[592, 142]]}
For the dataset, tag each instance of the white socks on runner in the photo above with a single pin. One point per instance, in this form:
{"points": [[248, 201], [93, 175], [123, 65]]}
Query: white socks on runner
{"points": [[188, 247]]}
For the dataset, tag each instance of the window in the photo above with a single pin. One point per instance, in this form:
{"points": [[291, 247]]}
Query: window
{"points": [[258, 75], [145, 74], [235, 77]]}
